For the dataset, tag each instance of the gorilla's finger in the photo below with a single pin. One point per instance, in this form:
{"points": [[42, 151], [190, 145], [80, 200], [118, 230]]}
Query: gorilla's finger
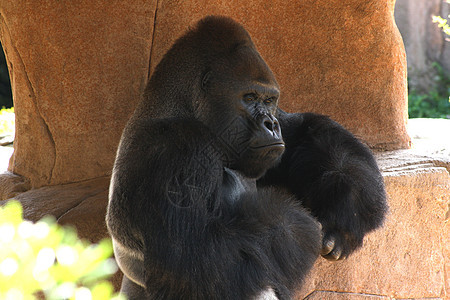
{"points": [[328, 244], [335, 254]]}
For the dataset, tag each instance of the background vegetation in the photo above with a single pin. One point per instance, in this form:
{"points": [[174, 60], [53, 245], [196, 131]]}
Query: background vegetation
{"points": [[435, 103], [7, 121], [44, 260]]}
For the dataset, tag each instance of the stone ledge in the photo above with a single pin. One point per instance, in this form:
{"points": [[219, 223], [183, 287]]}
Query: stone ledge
{"points": [[404, 161], [320, 295], [12, 185]]}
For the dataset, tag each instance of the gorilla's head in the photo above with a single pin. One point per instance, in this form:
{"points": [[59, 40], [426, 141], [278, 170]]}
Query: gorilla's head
{"points": [[241, 96], [215, 74]]}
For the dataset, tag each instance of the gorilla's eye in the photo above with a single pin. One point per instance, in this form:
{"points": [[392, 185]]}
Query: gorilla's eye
{"points": [[269, 100], [250, 97]]}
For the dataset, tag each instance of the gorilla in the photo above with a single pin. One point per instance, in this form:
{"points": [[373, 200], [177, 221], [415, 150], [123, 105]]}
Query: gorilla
{"points": [[209, 201]]}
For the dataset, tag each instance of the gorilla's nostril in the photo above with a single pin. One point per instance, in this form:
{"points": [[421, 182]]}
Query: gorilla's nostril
{"points": [[276, 126], [268, 125]]}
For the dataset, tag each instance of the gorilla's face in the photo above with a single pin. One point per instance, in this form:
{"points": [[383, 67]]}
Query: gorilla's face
{"points": [[242, 98], [265, 145]]}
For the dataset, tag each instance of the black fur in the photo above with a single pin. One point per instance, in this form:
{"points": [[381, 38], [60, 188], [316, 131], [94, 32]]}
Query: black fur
{"points": [[334, 175], [187, 216]]}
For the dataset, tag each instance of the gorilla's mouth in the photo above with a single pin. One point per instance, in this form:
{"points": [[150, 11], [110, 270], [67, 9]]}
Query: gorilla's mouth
{"points": [[268, 152], [272, 145]]}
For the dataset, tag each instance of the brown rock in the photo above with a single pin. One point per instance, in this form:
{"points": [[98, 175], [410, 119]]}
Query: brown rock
{"points": [[77, 70], [329, 295], [12, 185], [62, 201]]}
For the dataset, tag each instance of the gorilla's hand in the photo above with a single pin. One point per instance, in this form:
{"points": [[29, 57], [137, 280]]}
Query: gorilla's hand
{"points": [[336, 246], [330, 249]]}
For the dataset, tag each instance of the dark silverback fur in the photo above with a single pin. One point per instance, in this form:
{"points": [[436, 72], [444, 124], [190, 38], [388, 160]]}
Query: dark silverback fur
{"points": [[206, 197], [340, 180]]}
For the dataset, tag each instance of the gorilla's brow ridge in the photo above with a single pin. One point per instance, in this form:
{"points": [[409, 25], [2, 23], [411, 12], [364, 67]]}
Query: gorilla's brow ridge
{"points": [[263, 89]]}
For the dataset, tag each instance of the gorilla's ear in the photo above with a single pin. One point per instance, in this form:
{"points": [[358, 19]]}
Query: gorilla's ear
{"points": [[205, 79]]}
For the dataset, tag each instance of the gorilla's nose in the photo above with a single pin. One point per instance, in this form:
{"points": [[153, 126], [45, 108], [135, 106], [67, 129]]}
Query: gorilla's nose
{"points": [[271, 125]]}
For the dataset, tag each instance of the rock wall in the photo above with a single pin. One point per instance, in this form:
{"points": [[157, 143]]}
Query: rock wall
{"points": [[78, 69], [424, 41]]}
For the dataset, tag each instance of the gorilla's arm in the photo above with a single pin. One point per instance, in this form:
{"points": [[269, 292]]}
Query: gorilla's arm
{"points": [[334, 175], [187, 238]]}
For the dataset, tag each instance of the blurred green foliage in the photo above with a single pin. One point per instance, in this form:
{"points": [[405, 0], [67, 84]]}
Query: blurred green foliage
{"points": [[442, 23], [435, 103], [46, 258], [7, 121]]}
